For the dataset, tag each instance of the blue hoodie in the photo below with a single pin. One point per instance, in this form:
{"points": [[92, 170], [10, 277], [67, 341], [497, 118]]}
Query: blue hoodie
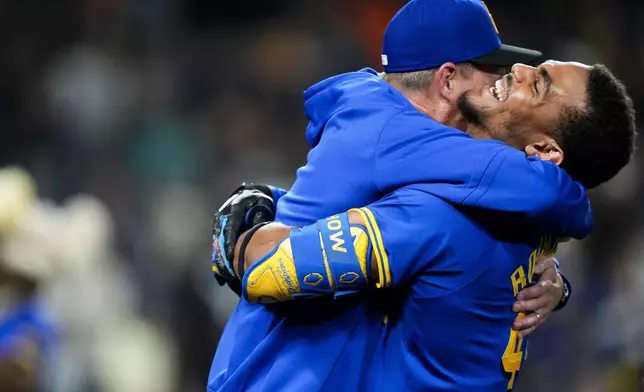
{"points": [[366, 141]]}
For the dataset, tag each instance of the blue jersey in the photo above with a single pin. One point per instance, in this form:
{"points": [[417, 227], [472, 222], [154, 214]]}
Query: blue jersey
{"points": [[368, 140], [25, 320], [456, 274], [29, 321]]}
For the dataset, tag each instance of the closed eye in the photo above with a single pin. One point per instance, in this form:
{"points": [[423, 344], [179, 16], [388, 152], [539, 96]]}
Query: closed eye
{"points": [[535, 88]]}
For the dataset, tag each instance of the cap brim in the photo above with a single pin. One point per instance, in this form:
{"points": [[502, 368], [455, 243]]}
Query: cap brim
{"points": [[508, 55]]}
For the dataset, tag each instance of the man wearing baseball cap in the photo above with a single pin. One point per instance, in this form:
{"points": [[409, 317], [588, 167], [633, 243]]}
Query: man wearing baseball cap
{"points": [[453, 40], [427, 34], [372, 134]]}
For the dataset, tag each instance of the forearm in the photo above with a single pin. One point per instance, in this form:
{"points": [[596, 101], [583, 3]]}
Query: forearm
{"points": [[537, 189], [269, 236], [262, 242], [284, 263]]}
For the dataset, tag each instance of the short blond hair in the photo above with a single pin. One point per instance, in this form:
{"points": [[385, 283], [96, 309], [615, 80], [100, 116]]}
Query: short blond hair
{"points": [[419, 80]]}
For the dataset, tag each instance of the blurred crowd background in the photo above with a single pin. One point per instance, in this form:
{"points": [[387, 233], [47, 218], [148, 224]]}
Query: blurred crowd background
{"points": [[158, 108]]}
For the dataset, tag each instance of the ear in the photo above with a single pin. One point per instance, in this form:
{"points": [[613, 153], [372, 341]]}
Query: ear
{"points": [[547, 150], [444, 80]]}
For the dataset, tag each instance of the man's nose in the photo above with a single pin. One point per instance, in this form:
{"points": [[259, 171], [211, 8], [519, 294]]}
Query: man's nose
{"points": [[522, 72]]}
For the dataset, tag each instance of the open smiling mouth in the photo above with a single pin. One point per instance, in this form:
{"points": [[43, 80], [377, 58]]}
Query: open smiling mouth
{"points": [[499, 91]]}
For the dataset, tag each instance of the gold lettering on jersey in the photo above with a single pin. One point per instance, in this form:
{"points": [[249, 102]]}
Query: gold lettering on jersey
{"points": [[513, 356], [547, 247], [518, 280], [333, 223], [531, 263]]}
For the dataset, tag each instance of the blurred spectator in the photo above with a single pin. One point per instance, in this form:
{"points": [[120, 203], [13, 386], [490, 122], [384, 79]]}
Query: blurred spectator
{"points": [[58, 260], [27, 258]]}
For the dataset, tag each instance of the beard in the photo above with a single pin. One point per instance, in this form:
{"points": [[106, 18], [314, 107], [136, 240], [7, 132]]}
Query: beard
{"points": [[484, 125], [471, 113]]}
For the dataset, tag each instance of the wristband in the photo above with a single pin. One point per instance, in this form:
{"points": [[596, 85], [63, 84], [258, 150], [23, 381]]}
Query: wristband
{"points": [[244, 244], [566, 293], [567, 288]]}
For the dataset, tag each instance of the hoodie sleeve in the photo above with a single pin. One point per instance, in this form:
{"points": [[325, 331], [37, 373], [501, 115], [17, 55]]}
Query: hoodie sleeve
{"points": [[479, 173], [277, 193]]}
